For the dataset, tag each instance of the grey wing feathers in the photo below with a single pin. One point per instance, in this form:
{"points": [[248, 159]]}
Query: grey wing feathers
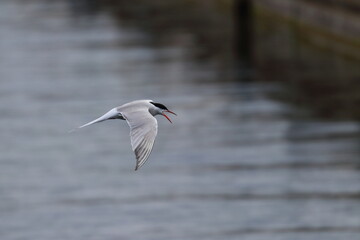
{"points": [[143, 150], [143, 131]]}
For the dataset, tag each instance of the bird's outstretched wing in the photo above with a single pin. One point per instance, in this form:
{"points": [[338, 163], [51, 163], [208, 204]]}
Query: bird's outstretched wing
{"points": [[143, 131]]}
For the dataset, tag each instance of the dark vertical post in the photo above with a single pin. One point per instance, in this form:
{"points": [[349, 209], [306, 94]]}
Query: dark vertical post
{"points": [[243, 31]]}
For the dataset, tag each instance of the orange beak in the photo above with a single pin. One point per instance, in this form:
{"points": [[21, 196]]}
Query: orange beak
{"points": [[167, 116]]}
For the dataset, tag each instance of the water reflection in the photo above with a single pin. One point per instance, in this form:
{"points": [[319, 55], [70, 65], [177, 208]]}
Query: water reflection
{"points": [[321, 83], [255, 159]]}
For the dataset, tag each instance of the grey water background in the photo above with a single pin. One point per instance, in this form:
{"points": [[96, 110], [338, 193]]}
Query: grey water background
{"points": [[244, 159]]}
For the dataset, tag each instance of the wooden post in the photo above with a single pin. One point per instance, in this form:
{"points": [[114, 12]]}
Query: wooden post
{"points": [[243, 33]]}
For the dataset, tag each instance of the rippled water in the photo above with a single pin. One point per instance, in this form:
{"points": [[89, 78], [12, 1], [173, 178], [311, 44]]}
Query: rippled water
{"points": [[232, 166]]}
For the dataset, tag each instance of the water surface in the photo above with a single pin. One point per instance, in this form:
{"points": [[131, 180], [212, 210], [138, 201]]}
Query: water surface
{"points": [[236, 163]]}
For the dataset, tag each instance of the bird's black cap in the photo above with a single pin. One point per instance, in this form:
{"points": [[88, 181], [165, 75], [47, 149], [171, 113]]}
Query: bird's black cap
{"points": [[159, 105]]}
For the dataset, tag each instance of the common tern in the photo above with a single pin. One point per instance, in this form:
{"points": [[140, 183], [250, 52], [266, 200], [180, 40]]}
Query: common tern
{"points": [[143, 125]]}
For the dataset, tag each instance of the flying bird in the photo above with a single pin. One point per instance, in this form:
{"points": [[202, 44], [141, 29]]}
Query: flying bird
{"points": [[143, 125]]}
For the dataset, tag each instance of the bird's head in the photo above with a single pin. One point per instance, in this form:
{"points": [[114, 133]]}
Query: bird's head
{"points": [[161, 109]]}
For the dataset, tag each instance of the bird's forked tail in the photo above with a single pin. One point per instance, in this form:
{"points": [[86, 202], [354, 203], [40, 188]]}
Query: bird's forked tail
{"points": [[113, 113]]}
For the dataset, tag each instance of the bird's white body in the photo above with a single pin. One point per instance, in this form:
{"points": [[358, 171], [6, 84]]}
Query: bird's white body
{"points": [[143, 125]]}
